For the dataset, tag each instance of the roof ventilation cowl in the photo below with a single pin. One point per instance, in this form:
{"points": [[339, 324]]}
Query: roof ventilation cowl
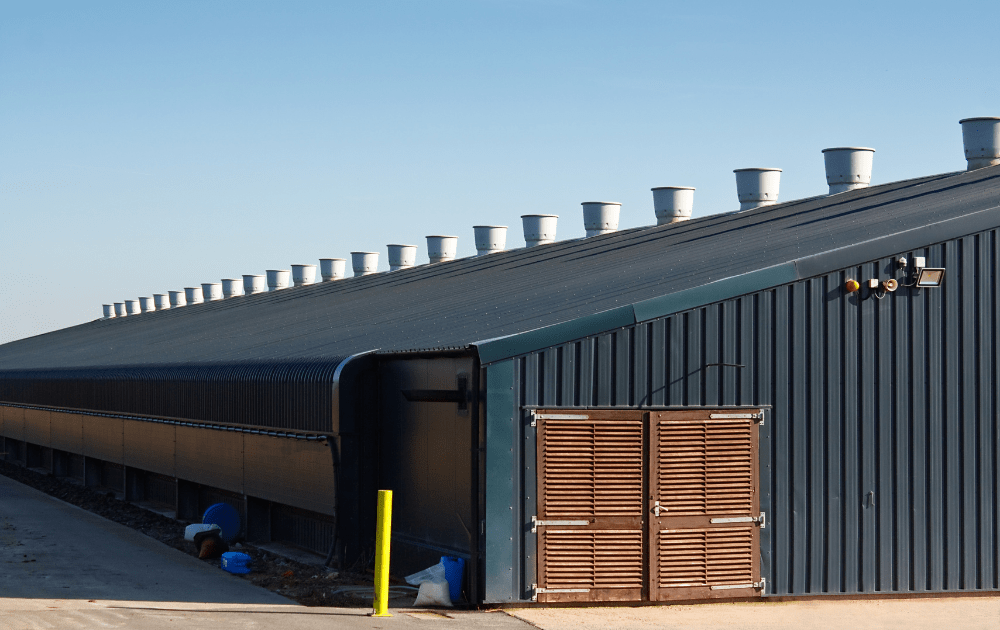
{"points": [[848, 168], [601, 217], [132, 307], [146, 305], [539, 229], [177, 298], [332, 268], [231, 287], [254, 283], [278, 279], [364, 263], [441, 248], [490, 239], [108, 310], [672, 203], [120, 310], [161, 302], [757, 187], [402, 256], [193, 295], [212, 291], [303, 274], [981, 137]]}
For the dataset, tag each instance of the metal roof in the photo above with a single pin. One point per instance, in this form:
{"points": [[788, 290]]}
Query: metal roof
{"points": [[458, 303]]}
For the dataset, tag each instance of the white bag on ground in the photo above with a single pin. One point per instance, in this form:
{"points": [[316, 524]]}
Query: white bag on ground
{"points": [[430, 574], [196, 528], [433, 593]]}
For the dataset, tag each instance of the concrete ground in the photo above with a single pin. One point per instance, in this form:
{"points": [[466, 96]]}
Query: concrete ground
{"points": [[945, 613], [64, 568]]}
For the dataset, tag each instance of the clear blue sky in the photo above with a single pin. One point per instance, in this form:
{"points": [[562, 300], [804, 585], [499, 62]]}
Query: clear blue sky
{"points": [[149, 146]]}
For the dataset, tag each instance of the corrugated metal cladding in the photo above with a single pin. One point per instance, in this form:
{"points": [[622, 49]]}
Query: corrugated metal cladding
{"points": [[287, 395], [879, 458]]}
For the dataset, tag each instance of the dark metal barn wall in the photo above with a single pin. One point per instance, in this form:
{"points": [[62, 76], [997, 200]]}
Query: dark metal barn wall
{"points": [[879, 459], [287, 395]]}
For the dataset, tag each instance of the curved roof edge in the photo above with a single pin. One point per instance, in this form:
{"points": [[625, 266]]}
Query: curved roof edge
{"points": [[498, 349]]}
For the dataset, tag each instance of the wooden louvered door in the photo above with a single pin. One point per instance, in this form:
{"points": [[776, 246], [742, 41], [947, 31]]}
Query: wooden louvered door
{"points": [[705, 513], [590, 506]]}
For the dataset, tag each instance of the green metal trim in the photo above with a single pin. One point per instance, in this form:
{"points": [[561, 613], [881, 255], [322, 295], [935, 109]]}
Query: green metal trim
{"points": [[715, 292], [523, 343], [500, 523]]}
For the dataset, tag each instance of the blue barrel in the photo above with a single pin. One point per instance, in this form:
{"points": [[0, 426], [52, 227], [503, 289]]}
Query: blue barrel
{"points": [[454, 570], [226, 517]]}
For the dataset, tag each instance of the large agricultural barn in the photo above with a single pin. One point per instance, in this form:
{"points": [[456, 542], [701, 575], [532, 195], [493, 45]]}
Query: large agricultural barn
{"points": [[718, 407]]}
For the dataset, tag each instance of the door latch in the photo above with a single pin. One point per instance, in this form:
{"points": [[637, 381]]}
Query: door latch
{"points": [[656, 508]]}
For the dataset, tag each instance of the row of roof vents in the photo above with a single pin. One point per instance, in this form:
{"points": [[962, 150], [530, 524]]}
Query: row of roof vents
{"points": [[847, 168]]}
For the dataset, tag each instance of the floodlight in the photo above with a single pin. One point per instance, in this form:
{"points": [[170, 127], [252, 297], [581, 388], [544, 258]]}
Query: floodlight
{"points": [[930, 277]]}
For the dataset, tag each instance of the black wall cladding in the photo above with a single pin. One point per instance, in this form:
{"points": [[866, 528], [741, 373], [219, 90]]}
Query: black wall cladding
{"points": [[287, 395], [879, 459]]}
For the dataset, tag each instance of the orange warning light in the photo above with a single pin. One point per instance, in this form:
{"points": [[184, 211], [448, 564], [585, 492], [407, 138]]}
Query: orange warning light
{"points": [[851, 286]]}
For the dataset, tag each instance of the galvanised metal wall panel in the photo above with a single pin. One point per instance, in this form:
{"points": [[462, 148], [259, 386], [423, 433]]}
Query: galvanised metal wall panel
{"points": [[150, 446], [879, 457], [214, 457], [292, 472], [503, 563], [66, 431], [103, 438], [36, 426]]}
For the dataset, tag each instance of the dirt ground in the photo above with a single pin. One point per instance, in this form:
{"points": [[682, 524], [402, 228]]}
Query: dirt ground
{"points": [[307, 584]]}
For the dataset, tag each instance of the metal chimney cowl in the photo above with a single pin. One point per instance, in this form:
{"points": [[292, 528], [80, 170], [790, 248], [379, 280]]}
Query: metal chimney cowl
{"points": [[254, 283], [146, 305], [120, 310], [332, 268], [848, 168], [981, 137], [600, 217], [539, 229], [490, 239], [212, 291], [108, 310], [757, 187], [193, 295], [401, 256], [177, 298], [132, 307], [364, 263], [303, 275], [441, 248], [672, 204], [161, 302], [231, 287], [278, 279]]}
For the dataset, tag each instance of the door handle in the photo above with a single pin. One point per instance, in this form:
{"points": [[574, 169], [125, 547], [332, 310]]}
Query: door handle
{"points": [[656, 508]]}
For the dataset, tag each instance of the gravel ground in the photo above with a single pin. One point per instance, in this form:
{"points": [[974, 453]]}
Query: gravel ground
{"points": [[310, 585]]}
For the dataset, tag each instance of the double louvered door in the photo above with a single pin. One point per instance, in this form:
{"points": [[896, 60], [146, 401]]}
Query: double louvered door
{"points": [[635, 505]]}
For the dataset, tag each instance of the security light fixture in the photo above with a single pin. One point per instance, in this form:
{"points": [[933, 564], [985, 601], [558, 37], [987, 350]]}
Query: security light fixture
{"points": [[930, 277]]}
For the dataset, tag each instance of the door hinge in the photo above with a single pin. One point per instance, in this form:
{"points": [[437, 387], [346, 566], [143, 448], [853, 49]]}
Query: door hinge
{"points": [[759, 520], [755, 585], [535, 590], [535, 523], [758, 417], [535, 416]]}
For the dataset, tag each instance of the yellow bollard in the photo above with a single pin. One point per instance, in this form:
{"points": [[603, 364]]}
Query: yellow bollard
{"points": [[383, 533]]}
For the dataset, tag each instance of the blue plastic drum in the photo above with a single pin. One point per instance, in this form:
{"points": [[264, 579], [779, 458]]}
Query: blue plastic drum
{"points": [[454, 570], [226, 517]]}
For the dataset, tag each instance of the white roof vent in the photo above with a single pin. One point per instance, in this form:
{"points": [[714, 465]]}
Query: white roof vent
{"points": [[146, 305], [757, 187], [490, 239], [402, 256], [161, 302], [982, 141], [193, 295], [441, 248], [231, 287], [120, 309], [539, 229], [672, 204], [601, 217], [364, 263], [254, 284], [177, 298], [108, 310], [132, 307], [212, 291], [278, 279], [332, 268], [303, 274], [848, 168]]}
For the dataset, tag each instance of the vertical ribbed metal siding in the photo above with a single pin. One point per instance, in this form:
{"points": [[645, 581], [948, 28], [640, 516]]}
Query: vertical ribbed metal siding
{"points": [[880, 457]]}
